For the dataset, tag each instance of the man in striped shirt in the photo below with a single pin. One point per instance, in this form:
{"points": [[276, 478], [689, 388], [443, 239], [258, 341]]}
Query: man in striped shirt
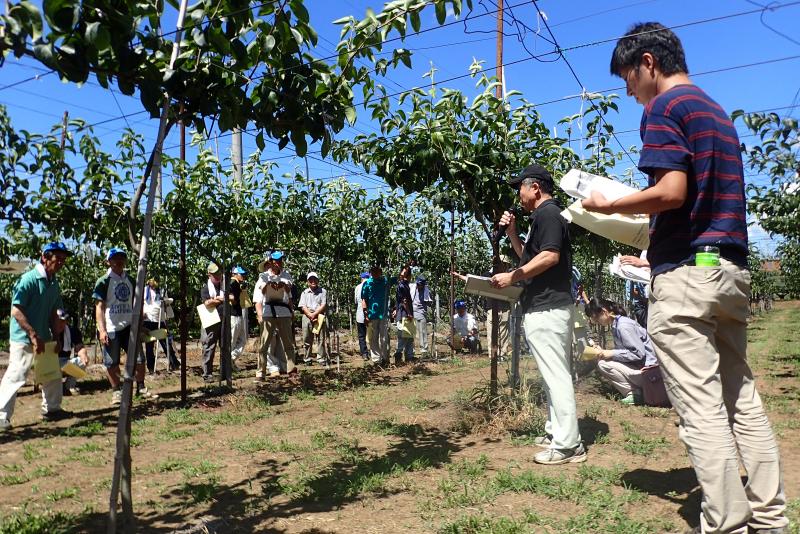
{"points": [[698, 312]]}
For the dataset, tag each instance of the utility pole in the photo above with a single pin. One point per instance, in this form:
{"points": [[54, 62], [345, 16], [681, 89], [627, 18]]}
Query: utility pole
{"points": [[498, 91], [236, 156], [494, 346]]}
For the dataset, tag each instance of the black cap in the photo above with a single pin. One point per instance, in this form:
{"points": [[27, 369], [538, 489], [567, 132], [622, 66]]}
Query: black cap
{"points": [[537, 172]]}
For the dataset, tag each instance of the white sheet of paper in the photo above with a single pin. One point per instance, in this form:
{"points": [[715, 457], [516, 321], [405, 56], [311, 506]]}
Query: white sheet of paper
{"points": [[580, 184], [208, 316], [481, 285], [628, 229], [629, 272]]}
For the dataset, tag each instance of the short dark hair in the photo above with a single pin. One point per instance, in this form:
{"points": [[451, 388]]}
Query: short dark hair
{"points": [[649, 37], [544, 184]]}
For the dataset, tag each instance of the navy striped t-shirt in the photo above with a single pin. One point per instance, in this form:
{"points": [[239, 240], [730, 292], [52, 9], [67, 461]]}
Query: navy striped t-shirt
{"points": [[684, 129]]}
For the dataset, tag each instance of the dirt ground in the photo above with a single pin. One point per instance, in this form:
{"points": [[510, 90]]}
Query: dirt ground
{"points": [[406, 449]]}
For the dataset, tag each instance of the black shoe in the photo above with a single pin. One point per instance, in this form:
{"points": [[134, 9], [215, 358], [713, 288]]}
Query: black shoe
{"points": [[57, 415]]}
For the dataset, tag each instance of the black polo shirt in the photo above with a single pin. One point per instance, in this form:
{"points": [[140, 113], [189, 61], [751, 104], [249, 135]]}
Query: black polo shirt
{"points": [[549, 231]]}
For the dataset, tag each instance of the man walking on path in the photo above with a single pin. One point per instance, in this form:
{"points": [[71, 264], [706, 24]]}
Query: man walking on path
{"points": [[374, 297], [113, 295], [545, 268], [700, 285], [35, 298]]}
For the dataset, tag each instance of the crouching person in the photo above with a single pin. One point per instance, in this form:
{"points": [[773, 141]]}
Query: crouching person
{"points": [[72, 350]]}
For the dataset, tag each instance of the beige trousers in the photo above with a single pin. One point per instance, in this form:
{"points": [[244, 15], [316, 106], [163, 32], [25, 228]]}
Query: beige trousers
{"points": [[698, 323], [280, 327]]}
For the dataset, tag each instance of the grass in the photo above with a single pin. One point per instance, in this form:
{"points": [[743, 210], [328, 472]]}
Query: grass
{"points": [[636, 443], [256, 444], [58, 495], [85, 430], [87, 455], [27, 522]]}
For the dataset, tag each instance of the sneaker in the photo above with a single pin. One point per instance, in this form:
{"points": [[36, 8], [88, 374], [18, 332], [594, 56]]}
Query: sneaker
{"points": [[543, 441], [259, 374], [145, 393], [74, 392], [208, 378], [56, 415], [628, 399], [5, 424], [116, 397], [561, 456], [275, 374]]}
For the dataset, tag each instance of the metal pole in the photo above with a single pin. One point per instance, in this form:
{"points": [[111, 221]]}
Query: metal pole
{"points": [[452, 282], [182, 266]]}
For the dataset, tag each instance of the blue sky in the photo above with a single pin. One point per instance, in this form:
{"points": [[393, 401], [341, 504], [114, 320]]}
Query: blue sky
{"points": [[714, 34]]}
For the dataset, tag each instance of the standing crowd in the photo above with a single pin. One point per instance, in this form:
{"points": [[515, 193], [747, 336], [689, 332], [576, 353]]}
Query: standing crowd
{"points": [[693, 328]]}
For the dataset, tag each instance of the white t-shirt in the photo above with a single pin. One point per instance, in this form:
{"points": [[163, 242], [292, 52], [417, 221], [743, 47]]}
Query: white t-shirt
{"points": [[152, 304], [464, 325], [359, 309], [117, 294]]}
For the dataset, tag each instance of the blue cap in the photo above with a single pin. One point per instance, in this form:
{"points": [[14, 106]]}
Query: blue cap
{"points": [[276, 255], [114, 252], [364, 275], [459, 304], [238, 270], [56, 246]]}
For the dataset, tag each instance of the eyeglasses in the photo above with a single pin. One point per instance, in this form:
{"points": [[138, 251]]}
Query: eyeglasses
{"points": [[628, 74]]}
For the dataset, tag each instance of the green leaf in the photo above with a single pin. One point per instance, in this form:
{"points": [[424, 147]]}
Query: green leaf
{"points": [[350, 114], [299, 10], [97, 35], [61, 15], [415, 21], [441, 12], [260, 141]]}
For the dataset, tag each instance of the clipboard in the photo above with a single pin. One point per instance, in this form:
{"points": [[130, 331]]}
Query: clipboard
{"points": [[481, 285], [46, 365], [208, 316], [73, 370], [318, 324]]}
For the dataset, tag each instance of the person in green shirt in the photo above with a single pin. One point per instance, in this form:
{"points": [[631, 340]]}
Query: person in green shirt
{"points": [[36, 297]]}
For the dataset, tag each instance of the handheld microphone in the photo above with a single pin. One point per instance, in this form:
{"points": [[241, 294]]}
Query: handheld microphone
{"points": [[501, 229]]}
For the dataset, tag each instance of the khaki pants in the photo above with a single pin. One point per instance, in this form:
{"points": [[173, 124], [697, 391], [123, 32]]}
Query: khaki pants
{"points": [[308, 341], [698, 323], [378, 340], [280, 327], [20, 360], [549, 334], [624, 379]]}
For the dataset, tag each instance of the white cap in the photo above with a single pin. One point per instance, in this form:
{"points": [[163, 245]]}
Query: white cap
{"points": [[311, 275]]}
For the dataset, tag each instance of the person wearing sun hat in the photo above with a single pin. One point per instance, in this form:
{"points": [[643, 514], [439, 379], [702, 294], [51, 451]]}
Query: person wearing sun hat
{"points": [[35, 299], [113, 296], [276, 313], [72, 350], [212, 295]]}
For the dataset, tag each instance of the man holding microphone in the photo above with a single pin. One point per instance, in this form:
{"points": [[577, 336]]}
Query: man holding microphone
{"points": [[545, 269]]}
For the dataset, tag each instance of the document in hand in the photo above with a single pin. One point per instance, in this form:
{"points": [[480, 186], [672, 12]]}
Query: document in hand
{"points": [[629, 272], [481, 285], [46, 366], [629, 229], [208, 316]]}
